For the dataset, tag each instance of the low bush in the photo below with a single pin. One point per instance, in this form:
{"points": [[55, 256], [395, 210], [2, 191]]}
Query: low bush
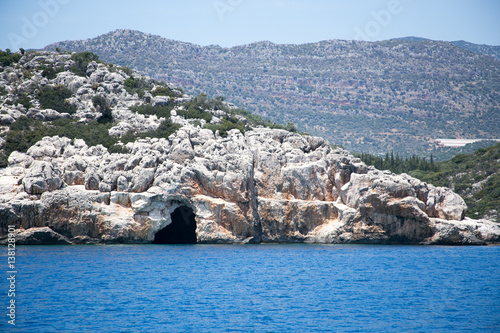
{"points": [[225, 126], [165, 129], [163, 91], [82, 60], [51, 72], [194, 113], [148, 109], [101, 105], [55, 98], [24, 100], [137, 86]]}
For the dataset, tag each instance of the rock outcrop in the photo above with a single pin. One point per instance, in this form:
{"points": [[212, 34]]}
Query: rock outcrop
{"points": [[38, 236], [262, 186]]}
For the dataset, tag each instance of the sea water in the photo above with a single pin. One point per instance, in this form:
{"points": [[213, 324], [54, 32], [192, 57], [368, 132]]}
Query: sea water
{"points": [[256, 288]]}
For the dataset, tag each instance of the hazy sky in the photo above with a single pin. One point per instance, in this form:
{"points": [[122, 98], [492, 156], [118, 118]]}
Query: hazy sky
{"points": [[36, 23]]}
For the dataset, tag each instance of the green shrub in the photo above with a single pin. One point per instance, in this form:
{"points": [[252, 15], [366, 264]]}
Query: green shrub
{"points": [[194, 113], [148, 109], [4, 159], [27, 73], [24, 100], [51, 72], [225, 126], [165, 129], [55, 98], [202, 102], [131, 83], [93, 133], [138, 86], [459, 158], [101, 105], [256, 120], [290, 127], [82, 61], [23, 133], [163, 91], [7, 58]]}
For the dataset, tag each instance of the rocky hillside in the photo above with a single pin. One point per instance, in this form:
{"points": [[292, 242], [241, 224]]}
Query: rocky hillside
{"points": [[373, 97], [105, 155], [78, 96]]}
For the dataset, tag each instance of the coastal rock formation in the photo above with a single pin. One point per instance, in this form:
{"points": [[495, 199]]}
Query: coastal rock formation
{"points": [[213, 185], [262, 186]]}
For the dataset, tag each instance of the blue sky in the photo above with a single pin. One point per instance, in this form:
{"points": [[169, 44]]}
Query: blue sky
{"points": [[36, 23]]}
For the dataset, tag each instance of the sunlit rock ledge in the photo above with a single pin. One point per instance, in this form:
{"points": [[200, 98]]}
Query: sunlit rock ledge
{"points": [[262, 186]]}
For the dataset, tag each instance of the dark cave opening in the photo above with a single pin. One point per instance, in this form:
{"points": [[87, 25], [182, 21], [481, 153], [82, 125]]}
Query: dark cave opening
{"points": [[182, 230]]}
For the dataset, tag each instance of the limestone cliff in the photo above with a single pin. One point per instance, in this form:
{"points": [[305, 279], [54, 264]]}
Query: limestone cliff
{"points": [[263, 185]]}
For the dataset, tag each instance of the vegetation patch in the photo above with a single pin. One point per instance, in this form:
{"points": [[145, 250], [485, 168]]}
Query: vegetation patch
{"points": [[256, 120], [163, 91], [51, 72], [101, 105], [25, 132], [194, 113], [55, 98], [148, 109], [397, 164], [165, 129], [225, 126], [8, 58], [22, 99], [137, 86], [82, 61]]}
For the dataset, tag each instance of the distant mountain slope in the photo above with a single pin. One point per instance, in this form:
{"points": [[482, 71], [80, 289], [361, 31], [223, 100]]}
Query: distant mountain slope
{"points": [[368, 96], [493, 51]]}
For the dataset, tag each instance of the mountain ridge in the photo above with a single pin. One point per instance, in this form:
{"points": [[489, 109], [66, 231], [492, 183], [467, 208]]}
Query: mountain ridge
{"points": [[406, 94]]}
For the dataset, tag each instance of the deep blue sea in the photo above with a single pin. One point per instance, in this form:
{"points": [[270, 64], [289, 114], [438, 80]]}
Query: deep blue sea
{"points": [[256, 288]]}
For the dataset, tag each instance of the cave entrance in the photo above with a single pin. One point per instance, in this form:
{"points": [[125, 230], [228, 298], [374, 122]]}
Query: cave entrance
{"points": [[182, 230]]}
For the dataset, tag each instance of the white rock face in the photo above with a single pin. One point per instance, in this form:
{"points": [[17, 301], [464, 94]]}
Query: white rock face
{"points": [[266, 185]]}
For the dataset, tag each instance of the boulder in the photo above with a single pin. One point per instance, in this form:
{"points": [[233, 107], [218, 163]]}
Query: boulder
{"points": [[91, 182], [42, 177], [160, 101]]}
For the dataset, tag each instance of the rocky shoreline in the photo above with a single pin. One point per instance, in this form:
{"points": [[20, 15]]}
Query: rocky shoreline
{"points": [[262, 186]]}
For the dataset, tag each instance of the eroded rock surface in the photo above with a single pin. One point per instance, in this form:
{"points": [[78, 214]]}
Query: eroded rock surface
{"points": [[262, 186]]}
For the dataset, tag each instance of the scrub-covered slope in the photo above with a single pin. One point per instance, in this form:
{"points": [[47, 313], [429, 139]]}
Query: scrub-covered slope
{"points": [[372, 97]]}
